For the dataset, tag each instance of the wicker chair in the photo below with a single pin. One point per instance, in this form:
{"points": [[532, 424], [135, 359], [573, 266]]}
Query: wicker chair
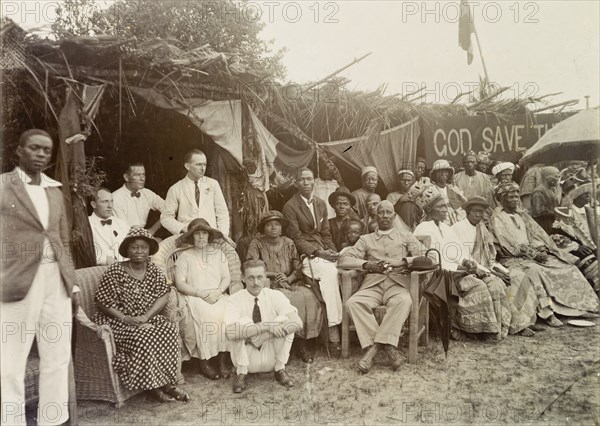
{"points": [[418, 320], [165, 259], [95, 377]]}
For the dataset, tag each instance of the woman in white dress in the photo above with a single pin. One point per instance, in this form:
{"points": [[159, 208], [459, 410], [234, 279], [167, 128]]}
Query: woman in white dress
{"points": [[202, 278]]}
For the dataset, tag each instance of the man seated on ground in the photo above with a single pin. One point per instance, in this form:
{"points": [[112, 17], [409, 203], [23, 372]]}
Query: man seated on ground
{"points": [[133, 202], [260, 324], [370, 220], [108, 231], [342, 201], [382, 255]]}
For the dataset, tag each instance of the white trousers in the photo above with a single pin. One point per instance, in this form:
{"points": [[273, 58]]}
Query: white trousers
{"points": [[272, 356], [327, 273], [45, 313]]}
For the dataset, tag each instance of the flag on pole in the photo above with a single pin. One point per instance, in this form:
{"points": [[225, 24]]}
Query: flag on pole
{"points": [[466, 27]]}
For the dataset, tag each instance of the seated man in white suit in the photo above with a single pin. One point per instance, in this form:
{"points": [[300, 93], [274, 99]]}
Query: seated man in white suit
{"points": [[108, 230], [195, 196]]}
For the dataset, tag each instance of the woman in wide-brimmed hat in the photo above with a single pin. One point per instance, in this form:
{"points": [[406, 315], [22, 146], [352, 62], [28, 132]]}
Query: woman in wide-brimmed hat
{"points": [[202, 277], [130, 296], [442, 175], [479, 309], [283, 268]]}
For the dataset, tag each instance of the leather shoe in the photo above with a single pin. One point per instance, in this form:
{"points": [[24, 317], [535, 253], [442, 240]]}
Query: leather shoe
{"points": [[282, 377], [224, 368], [336, 351], [305, 353], [208, 371], [368, 359], [394, 355], [239, 384]]}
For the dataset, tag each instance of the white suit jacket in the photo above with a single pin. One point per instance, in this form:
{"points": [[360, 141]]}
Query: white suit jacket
{"points": [[180, 206], [107, 238]]}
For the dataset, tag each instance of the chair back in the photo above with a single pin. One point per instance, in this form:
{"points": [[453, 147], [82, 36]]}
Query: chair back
{"points": [[88, 280], [168, 252]]}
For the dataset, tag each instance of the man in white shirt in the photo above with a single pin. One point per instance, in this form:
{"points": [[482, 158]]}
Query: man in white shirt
{"points": [[132, 202], [195, 196], [260, 325], [37, 279], [108, 230]]}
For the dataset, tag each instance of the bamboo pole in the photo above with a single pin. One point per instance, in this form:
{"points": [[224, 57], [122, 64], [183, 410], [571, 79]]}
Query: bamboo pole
{"points": [[323, 80]]}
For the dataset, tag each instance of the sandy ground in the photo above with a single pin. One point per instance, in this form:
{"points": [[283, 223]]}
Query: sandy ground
{"points": [[552, 378]]}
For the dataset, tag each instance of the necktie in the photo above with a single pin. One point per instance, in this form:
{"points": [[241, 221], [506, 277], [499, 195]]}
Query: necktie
{"points": [[197, 192], [136, 194], [256, 318], [106, 222]]}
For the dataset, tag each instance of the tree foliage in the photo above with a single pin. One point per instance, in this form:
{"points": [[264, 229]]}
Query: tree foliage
{"points": [[226, 26]]}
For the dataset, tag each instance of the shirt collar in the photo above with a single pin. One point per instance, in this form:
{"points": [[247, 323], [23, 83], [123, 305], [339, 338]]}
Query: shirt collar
{"points": [[260, 295], [45, 180], [391, 234], [307, 200], [98, 218]]}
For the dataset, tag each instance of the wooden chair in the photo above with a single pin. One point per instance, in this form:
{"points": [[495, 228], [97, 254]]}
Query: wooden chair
{"points": [[95, 377], [418, 320]]}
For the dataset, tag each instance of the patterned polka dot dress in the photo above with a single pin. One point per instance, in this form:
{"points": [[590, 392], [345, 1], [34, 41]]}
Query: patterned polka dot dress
{"points": [[145, 358]]}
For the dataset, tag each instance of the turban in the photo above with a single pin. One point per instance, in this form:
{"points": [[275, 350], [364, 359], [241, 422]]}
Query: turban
{"points": [[504, 188], [368, 169], [500, 167], [581, 189]]}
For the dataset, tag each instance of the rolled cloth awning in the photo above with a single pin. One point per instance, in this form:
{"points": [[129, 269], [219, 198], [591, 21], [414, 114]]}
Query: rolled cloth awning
{"points": [[389, 151]]}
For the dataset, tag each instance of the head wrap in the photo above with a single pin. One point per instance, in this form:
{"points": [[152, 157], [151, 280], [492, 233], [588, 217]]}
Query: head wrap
{"points": [[504, 188], [483, 156], [549, 171], [500, 167], [469, 153], [424, 195], [368, 169]]}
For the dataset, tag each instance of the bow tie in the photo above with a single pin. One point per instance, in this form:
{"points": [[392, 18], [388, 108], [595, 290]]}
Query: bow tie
{"points": [[135, 194], [106, 222]]}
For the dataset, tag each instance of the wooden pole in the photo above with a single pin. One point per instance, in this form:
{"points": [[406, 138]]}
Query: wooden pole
{"points": [[595, 208], [323, 80], [487, 76]]}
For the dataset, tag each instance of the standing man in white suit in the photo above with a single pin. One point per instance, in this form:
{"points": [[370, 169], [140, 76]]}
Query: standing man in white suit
{"points": [[195, 196]]}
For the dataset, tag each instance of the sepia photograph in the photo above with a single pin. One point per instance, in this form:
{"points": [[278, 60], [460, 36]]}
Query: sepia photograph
{"points": [[345, 212]]}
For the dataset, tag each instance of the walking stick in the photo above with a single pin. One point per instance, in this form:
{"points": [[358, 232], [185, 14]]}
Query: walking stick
{"points": [[312, 277]]}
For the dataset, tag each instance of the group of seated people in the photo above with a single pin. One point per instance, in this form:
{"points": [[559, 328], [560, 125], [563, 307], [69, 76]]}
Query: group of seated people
{"points": [[506, 274]]}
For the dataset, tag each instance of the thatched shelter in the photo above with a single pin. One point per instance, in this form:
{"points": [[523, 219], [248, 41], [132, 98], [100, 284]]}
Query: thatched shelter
{"points": [[113, 92]]}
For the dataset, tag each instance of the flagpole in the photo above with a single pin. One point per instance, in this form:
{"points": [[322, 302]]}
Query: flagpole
{"points": [[487, 77]]}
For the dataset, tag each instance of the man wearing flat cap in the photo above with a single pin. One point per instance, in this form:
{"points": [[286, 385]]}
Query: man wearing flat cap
{"points": [[472, 182], [544, 200], [369, 177]]}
